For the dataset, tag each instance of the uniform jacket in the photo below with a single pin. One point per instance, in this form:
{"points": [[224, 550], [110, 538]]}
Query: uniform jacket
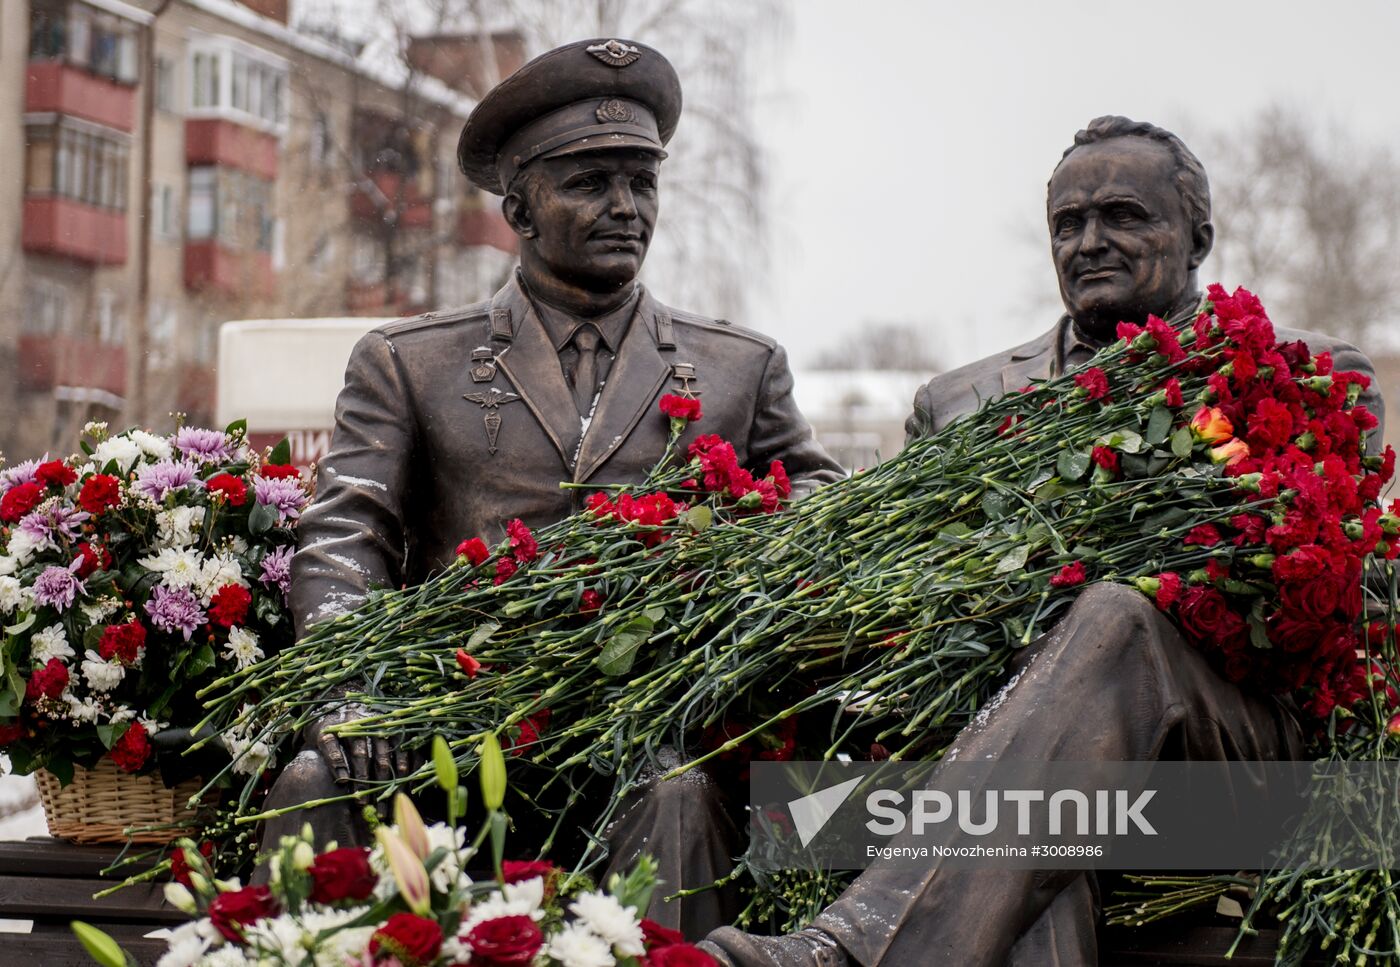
{"points": [[961, 391], [411, 469]]}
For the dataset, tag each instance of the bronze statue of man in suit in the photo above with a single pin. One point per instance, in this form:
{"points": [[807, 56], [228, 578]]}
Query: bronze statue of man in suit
{"points": [[453, 423], [1129, 214]]}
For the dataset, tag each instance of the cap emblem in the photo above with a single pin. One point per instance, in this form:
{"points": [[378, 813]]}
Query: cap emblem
{"points": [[614, 53], [615, 111]]}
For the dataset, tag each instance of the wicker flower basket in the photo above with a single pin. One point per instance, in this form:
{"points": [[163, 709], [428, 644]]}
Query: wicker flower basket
{"points": [[102, 802]]}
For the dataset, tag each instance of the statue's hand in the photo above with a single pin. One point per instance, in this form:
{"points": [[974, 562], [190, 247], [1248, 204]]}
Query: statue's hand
{"points": [[357, 758]]}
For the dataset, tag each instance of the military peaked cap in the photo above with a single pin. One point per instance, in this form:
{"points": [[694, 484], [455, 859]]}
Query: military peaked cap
{"points": [[585, 96]]}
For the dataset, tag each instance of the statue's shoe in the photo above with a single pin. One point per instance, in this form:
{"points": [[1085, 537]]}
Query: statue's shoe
{"points": [[806, 948]]}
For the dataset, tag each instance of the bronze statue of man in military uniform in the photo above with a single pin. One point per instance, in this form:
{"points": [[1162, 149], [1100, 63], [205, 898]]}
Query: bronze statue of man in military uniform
{"points": [[453, 423]]}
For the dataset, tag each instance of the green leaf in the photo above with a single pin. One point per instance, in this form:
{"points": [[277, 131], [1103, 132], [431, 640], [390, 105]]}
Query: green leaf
{"points": [[261, 519], [482, 635], [955, 531], [281, 454], [1258, 636], [201, 661], [1159, 425], [1014, 559], [1072, 465], [237, 427], [99, 945], [1182, 442], [995, 505], [62, 770], [699, 517], [620, 651], [21, 626], [1125, 440]]}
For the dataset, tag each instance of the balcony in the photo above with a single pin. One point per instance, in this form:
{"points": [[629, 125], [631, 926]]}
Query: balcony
{"points": [[59, 88], [214, 141], [210, 267], [485, 226], [49, 361], [71, 229], [415, 209]]}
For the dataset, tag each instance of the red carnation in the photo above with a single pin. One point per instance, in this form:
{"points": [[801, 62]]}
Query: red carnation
{"points": [[47, 682], [679, 955], [20, 500], [342, 874], [1167, 339], [474, 549], [1094, 382], [238, 908], [1168, 589], [531, 728], [522, 543], [590, 601], [1173, 391], [505, 570], [505, 942], [133, 749], [275, 471], [234, 490], [1105, 457], [55, 473], [122, 642], [413, 939], [100, 491], [781, 483], [681, 407], [1203, 535], [467, 663], [1070, 575], [93, 559], [229, 606], [180, 865]]}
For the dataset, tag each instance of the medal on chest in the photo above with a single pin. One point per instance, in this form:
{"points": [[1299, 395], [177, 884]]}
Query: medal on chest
{"points": [[491, 402]]}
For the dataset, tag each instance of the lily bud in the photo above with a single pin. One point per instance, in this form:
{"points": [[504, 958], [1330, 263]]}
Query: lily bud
{"points": [[492, 767], [303, 856], [180, 898], [411, 828], [1211, 425], [409, 872]]}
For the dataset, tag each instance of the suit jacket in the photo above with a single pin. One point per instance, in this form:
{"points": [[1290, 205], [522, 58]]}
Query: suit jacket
{"points": [[961, 391], [413, 466]]}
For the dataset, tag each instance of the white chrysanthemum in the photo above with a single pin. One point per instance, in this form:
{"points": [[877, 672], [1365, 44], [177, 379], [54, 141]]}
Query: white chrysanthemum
{"points": [[449, 872], [187, 944], [177, 568], [242, 647], [152, 445], [24, 545], [179, 526], [96, 429], [282, 937], [52, 642], [338, 948], [529, 892], [119, 448], [87, 710], [249, 758], [498, 905], [230, 956], [217, 571], [577, 946], [609, 919], [11, 594], [456, 950], [95, 611], [102, 675], [8, 565], [237, 544]]}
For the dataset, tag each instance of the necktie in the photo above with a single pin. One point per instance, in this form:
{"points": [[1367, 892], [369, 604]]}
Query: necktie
{"points": [[586, 339]]}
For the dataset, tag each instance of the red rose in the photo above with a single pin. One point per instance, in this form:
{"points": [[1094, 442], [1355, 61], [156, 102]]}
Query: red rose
{"points": [[133, 749], [679, 955], [655, 935], [239, 908], [467, 663], [92, 560], [474, 550], [681, 407], [55, 473], [275, 471], [342, 874], [1094, 383], [229, 606], [590, 601], [234, 490], [1070, 575], [522, 543], [1206, 616], [47, 682], [518, 871], [413, 939], [100, 491], [20, 500], [505, 942], [1106, 458], [122, 642]]}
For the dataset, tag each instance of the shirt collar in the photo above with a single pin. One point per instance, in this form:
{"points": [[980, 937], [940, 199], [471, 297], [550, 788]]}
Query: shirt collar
{"points": [[560, 326]]}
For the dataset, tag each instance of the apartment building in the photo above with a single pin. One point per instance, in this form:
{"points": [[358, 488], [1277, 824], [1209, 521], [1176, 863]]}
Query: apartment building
{"points": [[176, 164]]}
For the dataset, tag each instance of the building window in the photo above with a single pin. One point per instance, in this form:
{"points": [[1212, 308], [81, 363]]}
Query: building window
{"points": [[111, 327], [165, 212], [76, 162], [322, 145], [85, 37], [231, 207], [255, 88], [46, 308], [205, 92], [165, 84]]}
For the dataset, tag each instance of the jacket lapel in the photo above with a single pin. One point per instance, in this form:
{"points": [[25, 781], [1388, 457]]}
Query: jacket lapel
{"points": [[1033, 360], [532, 365], [637, 373]]}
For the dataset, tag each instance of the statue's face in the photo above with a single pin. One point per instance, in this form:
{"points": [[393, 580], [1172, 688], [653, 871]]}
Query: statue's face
{"points": [[1120, 234], [592, 215]]}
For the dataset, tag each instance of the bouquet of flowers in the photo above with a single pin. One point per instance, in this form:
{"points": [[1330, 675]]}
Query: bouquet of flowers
{"points": [[1198, 459], [131, 575], [409, 902]]}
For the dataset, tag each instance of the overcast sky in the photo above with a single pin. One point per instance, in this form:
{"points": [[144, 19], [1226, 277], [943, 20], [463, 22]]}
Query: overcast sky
{"points": [[910, 142]]}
